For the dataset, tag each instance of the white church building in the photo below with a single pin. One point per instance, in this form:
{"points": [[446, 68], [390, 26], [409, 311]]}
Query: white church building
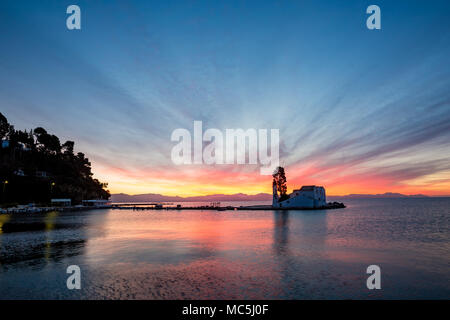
{"points": [[307, 197]]}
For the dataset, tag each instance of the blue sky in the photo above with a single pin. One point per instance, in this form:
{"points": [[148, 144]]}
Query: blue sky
{"points": [[350, 102]]}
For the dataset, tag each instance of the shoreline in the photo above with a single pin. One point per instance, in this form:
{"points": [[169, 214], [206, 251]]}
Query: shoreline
{"points": [[32, 210], [27, 210], [330, 205]]}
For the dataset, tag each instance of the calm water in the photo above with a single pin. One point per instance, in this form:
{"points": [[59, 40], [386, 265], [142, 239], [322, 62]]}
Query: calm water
{"points": [[126, 254]]}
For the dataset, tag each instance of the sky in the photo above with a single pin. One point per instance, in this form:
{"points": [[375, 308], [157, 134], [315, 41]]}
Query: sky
{"points": [[358, 110]]}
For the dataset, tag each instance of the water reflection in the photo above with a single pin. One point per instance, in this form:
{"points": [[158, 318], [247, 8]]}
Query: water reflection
{"points": [[39, 239], [281, 233], [171, 237], [49, 221], [228, 255], [4, 218]]}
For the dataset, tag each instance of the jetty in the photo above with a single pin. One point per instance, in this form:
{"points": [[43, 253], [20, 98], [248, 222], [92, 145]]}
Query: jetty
{"points": [[159, 206]]}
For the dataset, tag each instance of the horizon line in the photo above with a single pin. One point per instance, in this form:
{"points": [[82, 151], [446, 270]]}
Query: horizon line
{"points": [[265, 193]]}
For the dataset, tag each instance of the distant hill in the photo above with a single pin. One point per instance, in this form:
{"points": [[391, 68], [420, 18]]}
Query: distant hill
{"points": [[376, 196], [122, 197]]}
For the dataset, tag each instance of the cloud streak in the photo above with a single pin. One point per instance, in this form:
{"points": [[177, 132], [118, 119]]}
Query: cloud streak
{"points": [[358, 111]]}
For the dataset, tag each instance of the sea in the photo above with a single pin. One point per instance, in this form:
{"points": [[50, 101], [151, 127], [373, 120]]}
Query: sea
{"points": [[243, 254]]}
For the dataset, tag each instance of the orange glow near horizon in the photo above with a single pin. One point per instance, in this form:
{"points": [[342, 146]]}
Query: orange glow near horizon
{"points": [[201, 181]]}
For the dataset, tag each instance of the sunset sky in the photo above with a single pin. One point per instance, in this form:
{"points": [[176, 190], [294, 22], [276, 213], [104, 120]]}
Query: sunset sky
{"points": [[359, 111]]}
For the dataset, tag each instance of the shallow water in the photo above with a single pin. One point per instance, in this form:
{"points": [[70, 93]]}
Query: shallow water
{"points": [[125, 254]]}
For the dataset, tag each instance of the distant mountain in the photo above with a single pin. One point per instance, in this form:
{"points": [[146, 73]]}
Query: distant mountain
{"points": [[123, 197], [153, 197], [376, 196]]}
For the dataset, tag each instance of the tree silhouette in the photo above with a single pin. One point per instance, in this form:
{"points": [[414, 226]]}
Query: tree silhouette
{"points": [[279, 179], [67, 175], [5, 127]]}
